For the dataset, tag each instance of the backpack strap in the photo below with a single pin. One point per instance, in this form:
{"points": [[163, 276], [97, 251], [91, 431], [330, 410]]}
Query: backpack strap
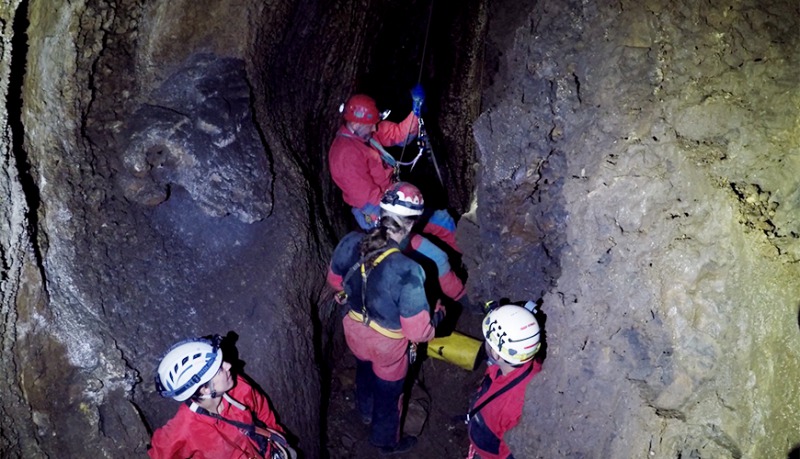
{"points": [[257, 428], [365, 274], [503, 390], [353, 269]]}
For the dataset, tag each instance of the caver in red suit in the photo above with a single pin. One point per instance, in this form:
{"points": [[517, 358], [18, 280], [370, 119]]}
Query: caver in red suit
{"points": [[488, 427], [193, 435], [221, 416], [358, 166], [512, 340]]}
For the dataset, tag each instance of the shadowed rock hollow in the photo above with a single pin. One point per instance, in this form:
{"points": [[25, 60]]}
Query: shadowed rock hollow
{"points": [[634, 165]]}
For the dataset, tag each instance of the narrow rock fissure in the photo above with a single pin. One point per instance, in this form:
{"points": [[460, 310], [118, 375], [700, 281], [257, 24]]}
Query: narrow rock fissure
{"points": [[19, 52]]}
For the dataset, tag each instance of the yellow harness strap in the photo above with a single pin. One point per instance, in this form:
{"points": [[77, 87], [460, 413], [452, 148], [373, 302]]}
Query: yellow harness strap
{"points": [[379, 259], [393, 334]]}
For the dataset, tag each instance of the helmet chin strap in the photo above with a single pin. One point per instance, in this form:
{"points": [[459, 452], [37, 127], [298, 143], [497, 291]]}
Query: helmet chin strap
{"points": [[212, 394]]}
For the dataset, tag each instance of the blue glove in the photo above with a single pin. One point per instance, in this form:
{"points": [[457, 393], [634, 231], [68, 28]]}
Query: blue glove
{"points": [[418, 97], [368, 217]]}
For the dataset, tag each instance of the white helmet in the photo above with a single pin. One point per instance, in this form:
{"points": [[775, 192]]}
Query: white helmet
{"points": [[513, 332], [188, 365]]}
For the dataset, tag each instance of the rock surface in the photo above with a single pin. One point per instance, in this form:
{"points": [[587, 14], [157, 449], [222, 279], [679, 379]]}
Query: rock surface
{"points": [[638, 167], [631, 164]]}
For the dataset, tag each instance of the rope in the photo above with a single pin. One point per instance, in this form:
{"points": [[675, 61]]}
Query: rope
{"points": [[425, 44], [421, 67]]}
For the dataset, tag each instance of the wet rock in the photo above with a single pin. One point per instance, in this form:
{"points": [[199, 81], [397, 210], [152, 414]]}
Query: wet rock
{"points": [[197, 131]]}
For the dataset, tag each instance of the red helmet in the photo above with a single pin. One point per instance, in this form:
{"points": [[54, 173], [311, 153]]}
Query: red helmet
{"points": [[361, 109], [403, 199]]}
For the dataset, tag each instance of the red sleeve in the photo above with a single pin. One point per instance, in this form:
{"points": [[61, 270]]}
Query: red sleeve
{"points": [[452, 286], [443, 234], [335, 280], [260, 405], [390, 134], [169, 442], [449, 282]]}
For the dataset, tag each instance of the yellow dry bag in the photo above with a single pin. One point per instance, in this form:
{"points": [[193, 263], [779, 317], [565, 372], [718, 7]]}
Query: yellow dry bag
{"points": [[458, 349]]}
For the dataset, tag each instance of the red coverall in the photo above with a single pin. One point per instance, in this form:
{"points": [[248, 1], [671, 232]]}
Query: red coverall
{"points": [[357, 167], [193, 435], [488, 426]]}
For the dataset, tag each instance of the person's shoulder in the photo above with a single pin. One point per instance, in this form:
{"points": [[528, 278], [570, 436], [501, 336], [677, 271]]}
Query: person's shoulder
{"points": [[183, 417], [242, 384], [401, 261], [243, 389], [341, 143], [532, 368], [349, 241], [342, 134]]}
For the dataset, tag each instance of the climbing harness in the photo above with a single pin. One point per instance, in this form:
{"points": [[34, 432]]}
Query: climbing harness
{"points": [[389, 159], [412, 353], [270, 443], [363, 316], [358, 317], [500, 392], [364, 313]]}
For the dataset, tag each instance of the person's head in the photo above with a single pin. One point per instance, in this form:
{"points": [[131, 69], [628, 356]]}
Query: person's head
{"points": [[194, 369], [403, 201], [400, 206], [512, 334], [361, 115]]}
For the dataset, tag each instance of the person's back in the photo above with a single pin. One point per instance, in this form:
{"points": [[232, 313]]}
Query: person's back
{"points": [[407, 312], [387, 309]]}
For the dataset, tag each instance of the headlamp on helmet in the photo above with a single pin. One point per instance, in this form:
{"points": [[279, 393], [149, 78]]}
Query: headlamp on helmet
{"points": [[403, 199]]}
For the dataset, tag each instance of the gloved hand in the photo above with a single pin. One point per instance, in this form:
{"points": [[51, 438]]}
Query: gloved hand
{"points": [[418, 97], [438, 313], [368, 217]]}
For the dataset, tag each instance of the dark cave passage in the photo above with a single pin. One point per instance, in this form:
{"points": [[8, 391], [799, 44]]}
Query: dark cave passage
{"points": [[415, 47]]}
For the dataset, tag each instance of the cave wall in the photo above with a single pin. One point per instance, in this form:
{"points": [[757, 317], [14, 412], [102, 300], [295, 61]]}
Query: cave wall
{"points": [[637, 170], [173, 183], [20, 284], [160, 216]]}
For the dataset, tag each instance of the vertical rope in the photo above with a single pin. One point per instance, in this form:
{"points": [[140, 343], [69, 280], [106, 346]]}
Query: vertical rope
{"points": [[425, 43], [421, 67]]}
